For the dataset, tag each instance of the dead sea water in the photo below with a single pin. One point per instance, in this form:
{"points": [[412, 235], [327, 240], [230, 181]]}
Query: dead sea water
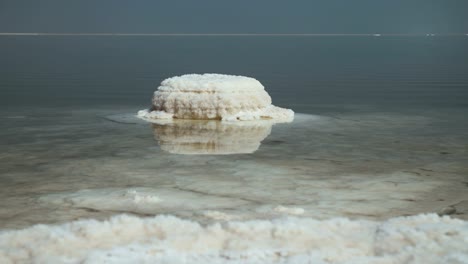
{"points": [[382, 129]]}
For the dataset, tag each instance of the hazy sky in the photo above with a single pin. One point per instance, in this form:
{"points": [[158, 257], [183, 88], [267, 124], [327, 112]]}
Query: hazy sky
{"points": [[235, 16]]}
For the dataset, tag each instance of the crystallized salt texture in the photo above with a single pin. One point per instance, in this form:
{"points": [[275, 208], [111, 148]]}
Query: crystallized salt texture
{"points": [[167, 239], [214, 96]]}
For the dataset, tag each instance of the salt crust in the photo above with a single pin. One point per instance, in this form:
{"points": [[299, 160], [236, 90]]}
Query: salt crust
{"points": [[167, 239], [214, 96]]}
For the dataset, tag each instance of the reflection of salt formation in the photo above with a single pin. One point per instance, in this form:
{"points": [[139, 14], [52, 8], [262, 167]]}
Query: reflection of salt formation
{"points": [[214, 96], [211, 136]]}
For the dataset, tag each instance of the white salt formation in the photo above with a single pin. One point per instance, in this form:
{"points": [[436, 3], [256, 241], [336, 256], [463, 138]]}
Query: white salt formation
{"points": [[167, 239], [214, 96], [211, 136]]}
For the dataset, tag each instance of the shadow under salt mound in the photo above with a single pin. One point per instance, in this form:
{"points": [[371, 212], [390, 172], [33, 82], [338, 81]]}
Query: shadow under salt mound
{"points": [[211, 137]]}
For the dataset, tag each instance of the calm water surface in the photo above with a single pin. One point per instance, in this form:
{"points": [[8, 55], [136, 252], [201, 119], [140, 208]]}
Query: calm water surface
{"points": [[299, 72], [387, 133]]}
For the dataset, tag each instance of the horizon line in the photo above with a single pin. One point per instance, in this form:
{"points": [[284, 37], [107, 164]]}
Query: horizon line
{"points": [[225, 34]]}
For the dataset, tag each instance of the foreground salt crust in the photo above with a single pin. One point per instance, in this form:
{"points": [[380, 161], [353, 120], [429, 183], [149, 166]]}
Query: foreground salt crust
{"points": [[213, 96], [167, 239]]}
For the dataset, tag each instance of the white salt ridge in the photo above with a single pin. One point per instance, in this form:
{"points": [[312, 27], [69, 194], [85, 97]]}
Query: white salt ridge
{"points": [[137, 197], [167, 239], [289, 210], [279, 209], [214, 96], [140, 200], [216, 215]]}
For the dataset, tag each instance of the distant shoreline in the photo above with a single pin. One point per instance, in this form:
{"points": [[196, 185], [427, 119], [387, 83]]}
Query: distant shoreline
{"points": [[231, 34]]}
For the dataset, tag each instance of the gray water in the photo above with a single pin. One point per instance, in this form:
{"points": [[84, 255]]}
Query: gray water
{"points": [[298, 72], [387, 133]]}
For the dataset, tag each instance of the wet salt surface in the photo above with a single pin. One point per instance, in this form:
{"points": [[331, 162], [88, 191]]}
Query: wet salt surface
{"points": [[58, 166]]}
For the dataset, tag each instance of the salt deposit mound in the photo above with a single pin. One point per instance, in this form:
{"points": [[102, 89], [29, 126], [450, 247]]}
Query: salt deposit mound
{"points": [[210, 136], [167, 239], [213, 96]]}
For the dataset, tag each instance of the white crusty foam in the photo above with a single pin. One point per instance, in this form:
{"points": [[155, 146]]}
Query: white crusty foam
{"points": [[167, 239], [214, 96]]}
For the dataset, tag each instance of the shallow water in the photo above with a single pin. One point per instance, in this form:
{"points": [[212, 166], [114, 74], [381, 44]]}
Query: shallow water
{"points": [[94, 163], [384, 134]]}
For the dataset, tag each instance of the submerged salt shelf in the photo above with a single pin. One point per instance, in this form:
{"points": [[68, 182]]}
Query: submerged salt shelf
{"points": [[214, 96], [167, 239], [279, 203], [362, 165]]}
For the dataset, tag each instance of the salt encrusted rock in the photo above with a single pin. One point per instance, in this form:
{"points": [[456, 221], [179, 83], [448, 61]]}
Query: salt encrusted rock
{"points": [[214, 96]]}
